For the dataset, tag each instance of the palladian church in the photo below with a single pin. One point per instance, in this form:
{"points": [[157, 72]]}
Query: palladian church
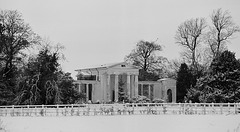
{"points": [[101, 84]]}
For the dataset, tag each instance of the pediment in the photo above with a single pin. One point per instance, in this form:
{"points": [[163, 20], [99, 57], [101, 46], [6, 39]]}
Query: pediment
{"points": [[123, 65]]}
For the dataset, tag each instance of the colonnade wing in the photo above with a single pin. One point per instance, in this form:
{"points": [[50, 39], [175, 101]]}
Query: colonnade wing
{"points": [[165, 91]]}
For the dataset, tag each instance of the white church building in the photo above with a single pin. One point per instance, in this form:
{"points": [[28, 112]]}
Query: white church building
{"points": [[101, 83]]}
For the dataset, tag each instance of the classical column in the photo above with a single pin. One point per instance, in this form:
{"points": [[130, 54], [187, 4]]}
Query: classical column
{"points": [[108, 87], [131, 86], [128, 85], [79, 87], [87, 92], [116, 88], [102, 87], [136, 86], [93, 92]]}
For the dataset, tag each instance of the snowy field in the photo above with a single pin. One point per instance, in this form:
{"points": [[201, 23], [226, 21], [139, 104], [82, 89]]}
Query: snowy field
{"points": [[124, 123]]}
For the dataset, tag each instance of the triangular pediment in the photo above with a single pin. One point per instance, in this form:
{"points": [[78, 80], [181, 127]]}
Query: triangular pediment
{"points": [[122, 65]]}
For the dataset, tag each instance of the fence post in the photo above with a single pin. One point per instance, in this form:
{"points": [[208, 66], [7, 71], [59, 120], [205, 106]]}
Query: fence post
{"points": [[204, 108], [132, 108], [235, 108], [229, 108], [72, 111], [42, 111], [5, 111], [184, 104], [221, 108], [57, 109], [191, 108], [195, 105], [180, 107], [28, 111], [12, 110], [65, 111], [35, 110], [213, 111], [22, 111]]}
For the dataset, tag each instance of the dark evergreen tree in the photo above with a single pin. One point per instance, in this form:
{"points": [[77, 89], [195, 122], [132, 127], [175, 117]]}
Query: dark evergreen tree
{"points": [[121, 93], [222, 84], [183, 82], [226, 62], [40, 79], [44, 83], [67, 93]]}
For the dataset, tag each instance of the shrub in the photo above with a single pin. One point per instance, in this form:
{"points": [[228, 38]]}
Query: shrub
{"points": [[157, 100], [140, 99]]}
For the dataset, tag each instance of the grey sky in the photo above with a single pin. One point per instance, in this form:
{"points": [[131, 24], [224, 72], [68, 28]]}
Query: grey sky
{"points": [[105, 31]]}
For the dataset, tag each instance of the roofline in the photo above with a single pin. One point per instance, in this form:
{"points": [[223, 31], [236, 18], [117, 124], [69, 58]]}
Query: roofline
{"points": [[163, 79], [105, 66], [90, 68], [115, 64]]}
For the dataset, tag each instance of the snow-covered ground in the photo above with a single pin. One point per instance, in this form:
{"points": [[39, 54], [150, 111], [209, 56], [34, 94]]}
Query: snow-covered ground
{"points": [[124, 123]]}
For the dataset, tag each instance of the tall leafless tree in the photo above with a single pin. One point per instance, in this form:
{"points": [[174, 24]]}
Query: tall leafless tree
{"points": [[222, 30], [189, 35], [15, 36], [143, 55]]}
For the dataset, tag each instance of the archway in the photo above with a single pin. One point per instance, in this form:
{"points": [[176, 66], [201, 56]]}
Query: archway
{"points": [[169, 95]]}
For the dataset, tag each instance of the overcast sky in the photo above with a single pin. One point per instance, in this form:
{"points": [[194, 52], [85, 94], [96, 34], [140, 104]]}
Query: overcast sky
{"points": [[105, 31]]}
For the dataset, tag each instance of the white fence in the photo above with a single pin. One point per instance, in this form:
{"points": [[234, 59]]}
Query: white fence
{"points": [[120, 109]]}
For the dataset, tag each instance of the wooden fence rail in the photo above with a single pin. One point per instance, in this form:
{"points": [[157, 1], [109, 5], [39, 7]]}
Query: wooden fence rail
{"points": [[120, 109]]}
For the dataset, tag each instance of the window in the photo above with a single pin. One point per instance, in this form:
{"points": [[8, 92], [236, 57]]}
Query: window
{"points": [[145, 90], [139, 89], [151, 91]]}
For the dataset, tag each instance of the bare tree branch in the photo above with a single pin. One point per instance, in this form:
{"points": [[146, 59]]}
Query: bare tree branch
{"points": [[222, 30], [144, 54], [189, 36]]}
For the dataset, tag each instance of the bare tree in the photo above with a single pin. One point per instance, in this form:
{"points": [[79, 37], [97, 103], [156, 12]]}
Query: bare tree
{"points": [[16, 36], [189, 35], [222, 30], [143, 55]]}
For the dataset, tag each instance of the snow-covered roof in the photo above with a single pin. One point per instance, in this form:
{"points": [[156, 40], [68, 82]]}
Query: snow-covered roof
{"points": [[109, 65], [165, 79]]}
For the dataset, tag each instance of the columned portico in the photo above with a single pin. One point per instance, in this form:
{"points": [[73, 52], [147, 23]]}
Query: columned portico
{"points": [[112, 85]]}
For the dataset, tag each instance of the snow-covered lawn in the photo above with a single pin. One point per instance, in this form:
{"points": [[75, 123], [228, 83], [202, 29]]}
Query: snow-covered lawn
{"points": [[124, 123]]}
